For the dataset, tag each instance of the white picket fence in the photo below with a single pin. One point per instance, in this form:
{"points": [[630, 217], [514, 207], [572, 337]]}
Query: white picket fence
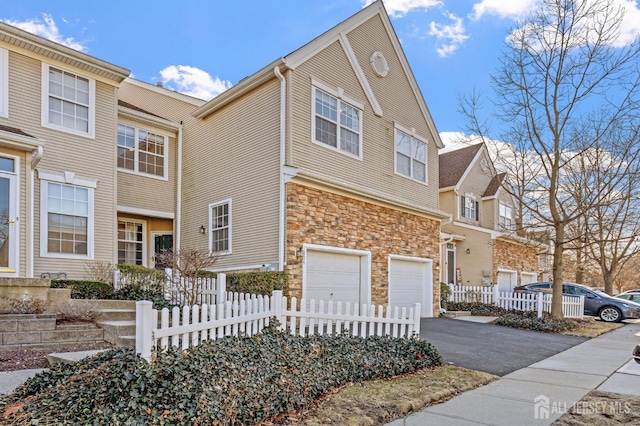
{"points": [[572, 306], [248, 314]]}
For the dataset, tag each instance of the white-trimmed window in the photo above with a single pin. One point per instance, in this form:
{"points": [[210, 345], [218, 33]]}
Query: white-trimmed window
{"points": [[130, 242], [66, 216], [68, 101], [4, 83], [505, 219], [220, 227], [469, 207], [411, 156], [337, 122], [142, 151]]}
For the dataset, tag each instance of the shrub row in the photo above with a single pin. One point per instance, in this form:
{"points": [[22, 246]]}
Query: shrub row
{"points": [[477, 308], [228, 381], [256, 282], [530, 321]]}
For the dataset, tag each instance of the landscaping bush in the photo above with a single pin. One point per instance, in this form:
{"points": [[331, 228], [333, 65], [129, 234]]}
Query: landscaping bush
{"points": [[256, 282], [530, 321], [445, 292], [85, 289], [129, 292], [140, 277], [479, 309], [245, 380]]}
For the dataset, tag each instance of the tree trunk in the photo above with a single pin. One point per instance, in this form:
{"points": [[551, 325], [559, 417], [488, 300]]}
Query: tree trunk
{"points": [[579, 264], [556, 299]]}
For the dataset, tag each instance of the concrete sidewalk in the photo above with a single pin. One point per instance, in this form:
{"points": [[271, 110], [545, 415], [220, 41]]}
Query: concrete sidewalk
{"points": [[544, 391]]}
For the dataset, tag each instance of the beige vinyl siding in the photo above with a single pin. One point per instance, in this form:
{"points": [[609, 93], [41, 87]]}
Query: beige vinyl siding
{"points": [[86, 157], [233, 153], [376, 171], [147, 192], [480, 257], [448, 203], [475, 184]]}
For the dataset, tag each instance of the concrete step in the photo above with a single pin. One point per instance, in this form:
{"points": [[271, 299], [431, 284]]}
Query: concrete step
{"points": [[71, 357], [126, 341], [113, 314], [456, 314], [114, 329]]}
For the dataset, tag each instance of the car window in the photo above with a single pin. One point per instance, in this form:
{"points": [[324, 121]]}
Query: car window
{"points": [[625, 296], [541, 287]]}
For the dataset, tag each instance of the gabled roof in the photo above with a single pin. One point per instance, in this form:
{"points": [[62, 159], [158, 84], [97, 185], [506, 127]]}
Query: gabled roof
{"points": [[301, 55], [36, 44], [14, 130], [494, 185], [454, 164]]}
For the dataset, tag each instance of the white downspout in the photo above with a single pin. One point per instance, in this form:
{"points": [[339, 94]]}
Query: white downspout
{"points": [[281, 212], [178, 222], [36, 156]]}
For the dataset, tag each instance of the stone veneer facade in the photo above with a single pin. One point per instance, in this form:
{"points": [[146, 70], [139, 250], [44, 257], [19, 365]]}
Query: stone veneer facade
{"points": [[514, 256], [319, 217]]}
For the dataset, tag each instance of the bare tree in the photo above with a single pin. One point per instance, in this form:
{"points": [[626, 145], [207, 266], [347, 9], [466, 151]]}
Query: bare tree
{"points": [[566, 86], [187, 266]]}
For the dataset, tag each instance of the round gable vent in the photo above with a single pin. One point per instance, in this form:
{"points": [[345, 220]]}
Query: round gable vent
{"points": [[379, 64]]}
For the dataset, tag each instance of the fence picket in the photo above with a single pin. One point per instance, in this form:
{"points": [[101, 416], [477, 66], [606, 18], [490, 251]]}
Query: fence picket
{"points": [[292, 320]]}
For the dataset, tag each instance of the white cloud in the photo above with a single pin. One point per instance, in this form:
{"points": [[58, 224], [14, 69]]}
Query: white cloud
{"points": [[49, 30], [399, 8], [512, 9], [452, 36], [630, 27], [193, 81]]}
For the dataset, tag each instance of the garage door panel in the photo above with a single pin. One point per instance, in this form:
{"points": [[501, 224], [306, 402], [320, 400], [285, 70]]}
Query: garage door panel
{"points": [[408, 283], [333, 276]]}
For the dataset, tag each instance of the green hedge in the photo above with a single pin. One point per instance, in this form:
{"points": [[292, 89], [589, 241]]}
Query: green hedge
{"points": [[479, 309], [257, 282], [530, 321], [85, 289], [139, 276], [242, 381]]}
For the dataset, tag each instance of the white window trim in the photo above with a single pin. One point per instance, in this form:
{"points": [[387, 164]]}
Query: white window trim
{"points": [[210, 229], [14, 248], [66, 178], [411, 132], [165, 177], [338, 94], [475, 208], [4, 83], [45, 103], [500, 216], [142, 222]]}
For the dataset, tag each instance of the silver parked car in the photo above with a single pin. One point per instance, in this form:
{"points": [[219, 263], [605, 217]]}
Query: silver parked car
{"points": [[633, 295], [596, 303]]}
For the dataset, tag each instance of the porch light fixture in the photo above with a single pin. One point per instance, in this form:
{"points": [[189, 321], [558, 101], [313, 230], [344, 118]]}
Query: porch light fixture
{"points": [[468, 251], [203, 230]]}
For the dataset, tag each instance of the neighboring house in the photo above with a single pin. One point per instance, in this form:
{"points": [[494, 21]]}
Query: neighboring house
{"points": [[322, 164], [480, 243], [58, 110]]}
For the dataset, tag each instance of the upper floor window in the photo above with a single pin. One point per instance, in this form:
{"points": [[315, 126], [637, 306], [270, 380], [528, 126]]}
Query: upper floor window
{"points": [[4, 83], [505, 217], [411, 156], [68, 101], [142, 151], [220, 227], [469, 207], [337, 123]]}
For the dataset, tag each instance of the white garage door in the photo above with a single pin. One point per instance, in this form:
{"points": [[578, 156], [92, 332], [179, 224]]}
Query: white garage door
{"points": [[506, 280], [333, 276], [410, 282], [527, 278]]}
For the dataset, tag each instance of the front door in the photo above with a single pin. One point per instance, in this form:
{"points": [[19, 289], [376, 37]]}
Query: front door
{"points": [[161, 243], [451, 265], [8, 218]]}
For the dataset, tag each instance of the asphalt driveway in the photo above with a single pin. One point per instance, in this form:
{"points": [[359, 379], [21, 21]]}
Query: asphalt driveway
{"points": [[491, 348]]}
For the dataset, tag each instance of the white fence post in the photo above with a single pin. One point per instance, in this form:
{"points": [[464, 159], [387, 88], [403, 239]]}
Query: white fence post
{"points": [[416, 318], [144, 331], [540, 301], [496, 295], [276, 296], [221, 287]]}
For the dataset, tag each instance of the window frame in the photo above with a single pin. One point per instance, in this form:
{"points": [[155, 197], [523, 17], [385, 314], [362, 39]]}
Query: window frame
{"points": [[414, 138], [464, 207], [340, 97], [228, 226], [66, 179], [46, 96], [502, 219], [4, 82], [136, 159], [143, 241]]}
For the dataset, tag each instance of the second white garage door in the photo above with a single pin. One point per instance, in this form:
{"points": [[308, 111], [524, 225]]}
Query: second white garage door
{"points": [[410, 282], [337, 276]]}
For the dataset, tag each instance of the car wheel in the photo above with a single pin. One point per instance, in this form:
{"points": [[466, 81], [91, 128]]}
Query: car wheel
{"points": [[610, 314]]}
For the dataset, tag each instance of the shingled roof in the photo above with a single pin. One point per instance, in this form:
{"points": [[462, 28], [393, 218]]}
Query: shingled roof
{"points": [[453, 164], [14, 130], [135, 108], [494, 185]]}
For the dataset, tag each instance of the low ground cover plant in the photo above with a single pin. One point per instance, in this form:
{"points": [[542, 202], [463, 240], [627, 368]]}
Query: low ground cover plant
{"points": [[477, 308], [530, 321], [244, 380]]}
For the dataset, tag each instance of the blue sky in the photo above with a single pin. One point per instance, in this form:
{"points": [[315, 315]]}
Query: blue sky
{"points": [[202, 47]]}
